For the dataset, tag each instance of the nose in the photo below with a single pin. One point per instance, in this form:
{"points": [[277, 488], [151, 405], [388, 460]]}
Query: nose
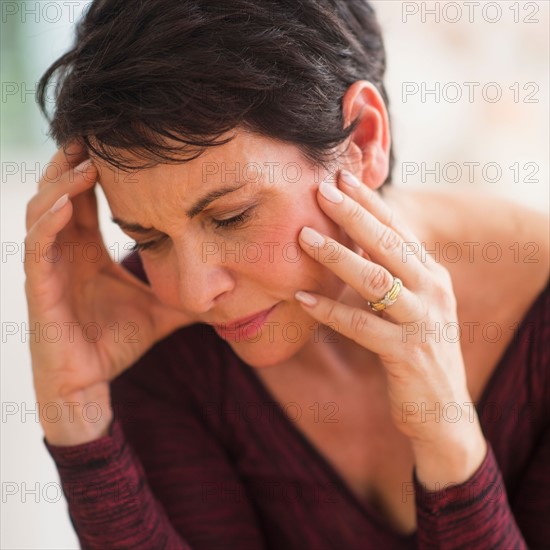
{"points": [[202, 277]]}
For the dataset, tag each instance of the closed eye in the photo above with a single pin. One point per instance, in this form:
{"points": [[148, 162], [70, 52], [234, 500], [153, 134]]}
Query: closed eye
{"points": [[148, 245], [229, 222], [234, 221]]}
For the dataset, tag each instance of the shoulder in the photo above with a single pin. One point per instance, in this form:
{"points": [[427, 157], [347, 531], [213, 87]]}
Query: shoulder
{"points": [[493, 247], [498, 254]]}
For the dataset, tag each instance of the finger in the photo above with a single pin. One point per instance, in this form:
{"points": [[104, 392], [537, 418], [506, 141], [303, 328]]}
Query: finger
{"points": [[74, 182], [64, 159], [85, 210], [381, 242], [359, 325], [41, 238], [372, 281], [373, 202]]}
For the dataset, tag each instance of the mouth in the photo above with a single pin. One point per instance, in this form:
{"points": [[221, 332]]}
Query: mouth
{"points": [[237, 329]]}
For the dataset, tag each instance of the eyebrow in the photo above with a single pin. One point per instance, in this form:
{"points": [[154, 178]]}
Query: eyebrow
{"points": [[192, 212]]}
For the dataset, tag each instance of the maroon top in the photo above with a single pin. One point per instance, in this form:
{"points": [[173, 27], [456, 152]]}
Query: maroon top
{"points": [[200, 455]]}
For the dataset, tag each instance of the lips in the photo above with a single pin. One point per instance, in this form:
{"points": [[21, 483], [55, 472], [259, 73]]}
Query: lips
{"points": [[243, 320]]}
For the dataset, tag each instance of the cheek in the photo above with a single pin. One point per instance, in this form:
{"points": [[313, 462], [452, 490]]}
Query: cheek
{"points": [[272, 257], [282, 262], [163, 281]]}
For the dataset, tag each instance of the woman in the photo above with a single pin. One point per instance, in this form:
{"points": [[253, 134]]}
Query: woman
{"points": [[277, 364]]}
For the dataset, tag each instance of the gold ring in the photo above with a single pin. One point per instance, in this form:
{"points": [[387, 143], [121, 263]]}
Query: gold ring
{"points": [[389, 298]]}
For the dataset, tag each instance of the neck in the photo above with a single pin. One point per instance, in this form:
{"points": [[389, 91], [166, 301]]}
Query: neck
{"points": [[328, 353]]}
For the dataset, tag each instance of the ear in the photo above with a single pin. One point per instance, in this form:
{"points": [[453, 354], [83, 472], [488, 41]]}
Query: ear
{"points": [[368, 152]]}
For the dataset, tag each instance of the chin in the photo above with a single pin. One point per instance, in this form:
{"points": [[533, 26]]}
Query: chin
{"points": [[273, 345], [266, 354]]}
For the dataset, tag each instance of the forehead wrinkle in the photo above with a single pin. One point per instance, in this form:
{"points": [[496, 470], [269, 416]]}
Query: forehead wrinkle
{"points": [[165, 204]]}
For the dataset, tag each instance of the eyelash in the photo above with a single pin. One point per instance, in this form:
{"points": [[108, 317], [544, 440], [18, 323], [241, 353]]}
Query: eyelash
{"points": [[234, 221], [138, 247], [230, 222]]}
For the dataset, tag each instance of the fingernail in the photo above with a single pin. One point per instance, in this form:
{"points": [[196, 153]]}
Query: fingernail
{"points": [[311, 237], [60, 203], [83, 166], [305, 298], [349, 179], [330, 192]]}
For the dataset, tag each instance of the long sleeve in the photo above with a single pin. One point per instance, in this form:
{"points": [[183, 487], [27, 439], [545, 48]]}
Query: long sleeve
{"points": [[110, 503], [159, 479], [531, 506], [483, 512], [474, 514], [185, 466]]}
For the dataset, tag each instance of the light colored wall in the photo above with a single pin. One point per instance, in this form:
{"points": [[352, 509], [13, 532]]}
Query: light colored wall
{"points": [[423, 53], [504, 132]]}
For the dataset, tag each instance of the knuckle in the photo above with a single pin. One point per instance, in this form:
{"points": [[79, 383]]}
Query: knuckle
{"points": [[376, 280], [357, 214], [435, 264], [27, 245], [392, 220], [30, 241], [31, 213], [415, 352], [331, 312], [449, 301], [389, 240], [51, 174], [443, 292], [445, 276], [359, 321]]}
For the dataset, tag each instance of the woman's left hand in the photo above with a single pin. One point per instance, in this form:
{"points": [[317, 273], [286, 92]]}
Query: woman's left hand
{"points": [[426, 378]]}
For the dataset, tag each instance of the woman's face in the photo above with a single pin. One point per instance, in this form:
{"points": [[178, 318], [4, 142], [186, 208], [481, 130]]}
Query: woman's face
{"points": [[222, 273]]}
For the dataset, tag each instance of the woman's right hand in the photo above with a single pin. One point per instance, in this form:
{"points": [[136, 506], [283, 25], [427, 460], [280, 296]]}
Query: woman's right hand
{"points": [[93, 318]]}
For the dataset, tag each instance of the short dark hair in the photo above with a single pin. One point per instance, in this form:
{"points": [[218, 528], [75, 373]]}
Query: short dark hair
{"points": [[140, 71]]}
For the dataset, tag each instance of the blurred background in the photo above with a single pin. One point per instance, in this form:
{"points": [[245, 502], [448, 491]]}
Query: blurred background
{"points": [[468, 88]]}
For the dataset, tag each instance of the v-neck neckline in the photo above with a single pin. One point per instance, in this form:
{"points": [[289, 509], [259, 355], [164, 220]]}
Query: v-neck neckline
{"points": [[368, 511], [365, 508], [523, 325], [330, 471]]}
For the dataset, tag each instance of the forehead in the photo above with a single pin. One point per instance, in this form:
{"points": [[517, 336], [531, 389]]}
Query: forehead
{"points": [[247, 157], [158, 196]]}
